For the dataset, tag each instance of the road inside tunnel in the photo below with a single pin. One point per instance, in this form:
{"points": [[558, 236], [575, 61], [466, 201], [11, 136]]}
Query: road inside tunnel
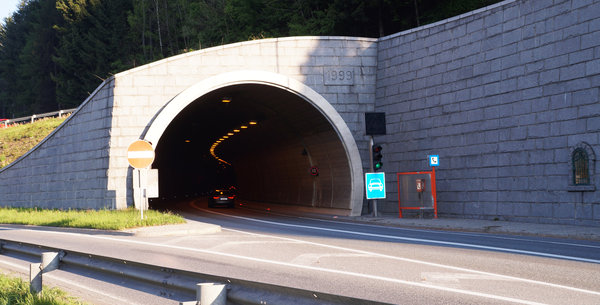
{"points": [[264, 140]]}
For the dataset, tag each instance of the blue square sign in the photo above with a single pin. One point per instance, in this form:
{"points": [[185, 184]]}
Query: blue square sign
{"points": [[375, 185], [434, 160]]}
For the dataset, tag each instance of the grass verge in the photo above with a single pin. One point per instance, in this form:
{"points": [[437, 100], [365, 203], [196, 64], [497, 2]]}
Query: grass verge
{"points": [[16, 291], [92, 219], [17, 140]]}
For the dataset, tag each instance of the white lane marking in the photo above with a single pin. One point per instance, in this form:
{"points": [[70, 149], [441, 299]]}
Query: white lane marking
{"points": [[428, 230], [71, 283], [483, 273], [531, 240], [508, 277], [233, 244], [456, 277], [421, 240], [450, 233], [266, 261], [315, 258]]}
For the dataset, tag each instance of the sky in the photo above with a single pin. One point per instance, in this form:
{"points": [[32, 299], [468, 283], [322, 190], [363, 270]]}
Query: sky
{"points": [[7, 7]]}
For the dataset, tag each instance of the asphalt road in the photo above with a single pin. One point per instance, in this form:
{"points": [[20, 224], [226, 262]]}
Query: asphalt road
{"points": [[378, 263]]}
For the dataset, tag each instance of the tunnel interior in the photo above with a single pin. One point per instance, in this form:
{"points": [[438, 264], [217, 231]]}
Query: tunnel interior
{"points": [[269, 143]]}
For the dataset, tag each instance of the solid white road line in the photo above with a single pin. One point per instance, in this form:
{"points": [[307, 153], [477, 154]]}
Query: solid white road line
{"points": [[486, 235], [421, 240], [407, 259]]}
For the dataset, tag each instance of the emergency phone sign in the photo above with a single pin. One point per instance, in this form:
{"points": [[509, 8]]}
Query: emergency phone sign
{"points": [[434, 160]]}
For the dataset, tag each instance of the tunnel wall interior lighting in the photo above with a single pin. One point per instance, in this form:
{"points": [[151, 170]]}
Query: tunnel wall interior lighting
{"points": [[222, 139]]}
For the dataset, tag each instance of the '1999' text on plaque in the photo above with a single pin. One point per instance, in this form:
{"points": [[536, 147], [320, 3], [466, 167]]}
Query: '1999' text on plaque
{"points": [[338, 76]]}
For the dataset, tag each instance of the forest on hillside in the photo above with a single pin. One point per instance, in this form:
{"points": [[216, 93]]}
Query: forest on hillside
{"points": [[54, 53]]}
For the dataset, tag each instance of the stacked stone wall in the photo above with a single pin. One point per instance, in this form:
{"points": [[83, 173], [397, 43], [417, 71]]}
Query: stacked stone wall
{"points": [[69, 168], [503, 95]]}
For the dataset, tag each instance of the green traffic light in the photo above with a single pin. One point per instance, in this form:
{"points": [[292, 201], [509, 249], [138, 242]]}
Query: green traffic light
{"points": [[378, 165]]}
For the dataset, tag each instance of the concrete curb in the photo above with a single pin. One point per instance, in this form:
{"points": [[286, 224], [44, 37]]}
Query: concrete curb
{"points": [[485, 226], [189, 228]]}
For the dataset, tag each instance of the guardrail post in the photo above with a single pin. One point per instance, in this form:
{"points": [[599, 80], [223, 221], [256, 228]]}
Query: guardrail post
{"points": [[33, 118], [35, 278], [50, 261], [211, 294]]}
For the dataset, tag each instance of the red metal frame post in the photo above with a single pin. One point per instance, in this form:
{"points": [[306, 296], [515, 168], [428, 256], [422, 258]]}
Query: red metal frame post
{"points": [[433, 191]]}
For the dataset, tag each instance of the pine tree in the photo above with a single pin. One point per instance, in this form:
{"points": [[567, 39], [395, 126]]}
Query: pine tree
{"points": [[53, 53], [92, 46]]}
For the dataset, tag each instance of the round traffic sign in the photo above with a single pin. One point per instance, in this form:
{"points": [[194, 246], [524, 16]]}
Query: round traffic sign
{"points": [[140, 154]]}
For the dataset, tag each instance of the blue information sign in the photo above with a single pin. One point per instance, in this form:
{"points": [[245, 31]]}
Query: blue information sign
{"points": [[434, 160], [375, 185]]}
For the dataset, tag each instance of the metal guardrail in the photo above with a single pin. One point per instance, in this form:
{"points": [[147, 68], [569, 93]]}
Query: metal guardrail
{"points": [[238, 291], [32, 118]]}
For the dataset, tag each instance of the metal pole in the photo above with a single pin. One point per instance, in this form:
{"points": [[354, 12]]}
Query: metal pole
{"points": [[373, 201], [35, 278], [371, 142], [141, 205], [375, 208], [145, 190]]}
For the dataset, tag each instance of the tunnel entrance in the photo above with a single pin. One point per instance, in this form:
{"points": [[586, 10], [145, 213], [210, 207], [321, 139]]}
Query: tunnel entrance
{"points": [[268, 141]]}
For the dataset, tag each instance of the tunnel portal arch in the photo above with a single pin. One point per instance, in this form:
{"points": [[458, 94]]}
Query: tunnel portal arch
{"points": [[173, 108]]}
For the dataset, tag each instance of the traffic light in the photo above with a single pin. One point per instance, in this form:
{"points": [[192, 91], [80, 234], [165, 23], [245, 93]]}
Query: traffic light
{"points": [[377, 164]]}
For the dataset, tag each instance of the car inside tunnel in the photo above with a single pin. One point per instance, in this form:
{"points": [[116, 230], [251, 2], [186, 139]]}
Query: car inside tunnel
{"points": [[268, 143]]}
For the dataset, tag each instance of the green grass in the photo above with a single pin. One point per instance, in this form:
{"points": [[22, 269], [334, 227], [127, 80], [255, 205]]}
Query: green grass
{"points": [[92, 219], [14, 291], [17, 140]]}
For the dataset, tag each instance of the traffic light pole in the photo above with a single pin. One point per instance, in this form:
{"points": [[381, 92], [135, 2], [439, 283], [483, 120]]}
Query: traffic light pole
{"points": [[373, 201]]}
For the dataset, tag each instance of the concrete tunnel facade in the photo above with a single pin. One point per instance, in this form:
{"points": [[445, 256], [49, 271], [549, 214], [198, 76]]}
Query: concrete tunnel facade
{"points": [[83, 163]]}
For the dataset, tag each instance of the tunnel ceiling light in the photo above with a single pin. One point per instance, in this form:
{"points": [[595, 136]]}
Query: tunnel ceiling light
{"points": [[188, 141], [223, 138], [226, 100]]}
